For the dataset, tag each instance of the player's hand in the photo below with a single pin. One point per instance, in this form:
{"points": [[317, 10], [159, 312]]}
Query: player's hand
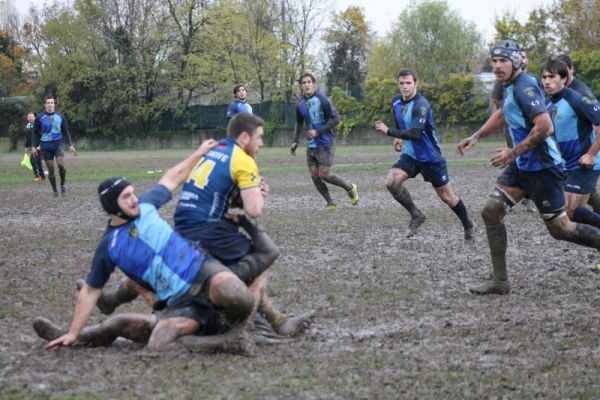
{"points": [[380, 127], [264, 187], [72, 149], [311, 134], [207, 145], [466, 144], [34, 151], [293, 148], [64, 340], [398, 145], [502, 157], [587, 161]]}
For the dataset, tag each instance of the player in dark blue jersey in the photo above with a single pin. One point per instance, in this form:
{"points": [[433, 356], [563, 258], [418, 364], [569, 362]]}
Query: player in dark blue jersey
{"points": [[421, 154], [575, 118], [537, 171], [316, 111], [239, 105], [145, 247], [50, 132]]}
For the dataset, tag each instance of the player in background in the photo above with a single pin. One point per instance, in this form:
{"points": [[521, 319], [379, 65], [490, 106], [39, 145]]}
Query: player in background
{"points": [[316, 111], [50, 132]]}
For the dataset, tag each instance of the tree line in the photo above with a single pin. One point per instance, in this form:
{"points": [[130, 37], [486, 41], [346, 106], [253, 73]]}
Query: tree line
{"points": [[117, 67]]}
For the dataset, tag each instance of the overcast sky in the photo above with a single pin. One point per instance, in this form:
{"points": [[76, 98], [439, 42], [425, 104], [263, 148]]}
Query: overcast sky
{"points": [[382, 13]]}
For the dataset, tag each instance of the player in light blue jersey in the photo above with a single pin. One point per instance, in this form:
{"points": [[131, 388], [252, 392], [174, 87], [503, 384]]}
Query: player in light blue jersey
{"points": [[421, 154], [584, 90], [50, 131], [239, 105], [316, 111], [537, 171], [194, 286], [575, 118]]}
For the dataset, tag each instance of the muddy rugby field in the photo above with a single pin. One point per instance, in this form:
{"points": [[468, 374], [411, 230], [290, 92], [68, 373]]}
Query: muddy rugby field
{"points": [[394, 317]]}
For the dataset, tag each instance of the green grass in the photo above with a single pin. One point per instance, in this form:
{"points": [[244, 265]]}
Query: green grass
{"points": [[135, 164]]}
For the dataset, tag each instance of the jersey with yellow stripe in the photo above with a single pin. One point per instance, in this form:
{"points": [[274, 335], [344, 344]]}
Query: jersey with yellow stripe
{"points": [[206, 192]]}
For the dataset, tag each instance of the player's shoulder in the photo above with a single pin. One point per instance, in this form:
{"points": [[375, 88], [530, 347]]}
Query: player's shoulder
{"points": [[396, 98]]}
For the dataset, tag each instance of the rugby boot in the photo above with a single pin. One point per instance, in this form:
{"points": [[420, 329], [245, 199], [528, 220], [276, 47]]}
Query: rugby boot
{"points": [[529, 204], [415, 222], [55, 194], [292, 326], [470, 233], [353, 194], [330, 207], [46, 329], [63, 189], [491, 285], [110, 299]]}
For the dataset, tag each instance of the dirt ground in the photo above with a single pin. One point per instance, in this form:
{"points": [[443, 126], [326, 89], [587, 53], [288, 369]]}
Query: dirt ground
{"points": [[394, 317]]}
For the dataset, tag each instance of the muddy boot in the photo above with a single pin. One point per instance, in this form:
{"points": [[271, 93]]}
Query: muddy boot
{"points": [[46, 329], [529, 205], [112, 298], [415, 222], [491, 286], [470, 233], [293, 326]]}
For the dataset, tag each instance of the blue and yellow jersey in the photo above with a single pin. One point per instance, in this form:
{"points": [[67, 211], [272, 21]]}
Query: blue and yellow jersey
{"points": [[417, 113], [315, 111], [51, 127], [213, 180], [149, 251], [522, 101], [237, 107], [574, 117]]}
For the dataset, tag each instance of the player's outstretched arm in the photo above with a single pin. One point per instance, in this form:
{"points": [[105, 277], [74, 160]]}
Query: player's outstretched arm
{"points": [[88, 296], [493, 124], [179, 173]]}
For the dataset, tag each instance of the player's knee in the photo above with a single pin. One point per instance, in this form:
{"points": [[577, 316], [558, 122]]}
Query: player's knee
{"points": [[233, 296], [558, 225], [495, 209]]}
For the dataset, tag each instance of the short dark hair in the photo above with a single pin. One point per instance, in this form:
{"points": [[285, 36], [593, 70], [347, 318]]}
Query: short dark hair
{"points": [[31, 112], [243, 122], [565, 59], [555, 66], [48, 97], [407, 72], [306, 74], [237, 88]]}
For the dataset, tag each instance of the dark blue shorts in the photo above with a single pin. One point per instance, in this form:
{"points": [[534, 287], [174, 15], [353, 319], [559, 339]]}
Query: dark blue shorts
{"points": [[52, 149], [320, 156], [196, 303], [222, 240], [544, 187], [581, 181], [434, 173]]}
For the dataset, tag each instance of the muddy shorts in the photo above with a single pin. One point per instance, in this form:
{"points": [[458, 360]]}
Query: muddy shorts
{"points": [[196, 304], [222, 240], [544, 187], [581, 181], [434, 173], [316, 156], [52, 149]]}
